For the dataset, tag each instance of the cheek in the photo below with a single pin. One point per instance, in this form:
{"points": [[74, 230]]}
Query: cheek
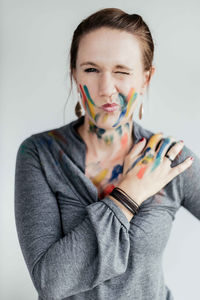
{"points": [[127, 101]]}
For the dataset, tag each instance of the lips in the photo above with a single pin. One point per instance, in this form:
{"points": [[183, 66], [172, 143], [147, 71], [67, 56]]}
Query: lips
{"points": [[107, 105], [110, 107]]}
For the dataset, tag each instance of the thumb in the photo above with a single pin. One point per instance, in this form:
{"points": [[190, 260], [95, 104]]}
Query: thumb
{"points": [[137, 149]]}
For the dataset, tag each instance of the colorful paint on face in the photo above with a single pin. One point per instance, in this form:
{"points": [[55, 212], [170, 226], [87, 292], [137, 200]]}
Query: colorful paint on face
{"points": [[126, 108], [105, 117], [118, 169], [88, 102], [119, 130], [125, 103], [158, 156]]}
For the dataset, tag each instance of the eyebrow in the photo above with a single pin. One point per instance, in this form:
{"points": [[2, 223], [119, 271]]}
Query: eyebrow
{"points": [[117, 66]]}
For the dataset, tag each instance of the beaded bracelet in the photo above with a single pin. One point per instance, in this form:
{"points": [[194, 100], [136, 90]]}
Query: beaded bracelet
{"points": [[125, 199]]}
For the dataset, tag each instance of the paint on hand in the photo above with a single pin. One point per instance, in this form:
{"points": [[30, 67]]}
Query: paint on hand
{"points": [[158, 156], [139, 159], [146, 160], [141, 172]]}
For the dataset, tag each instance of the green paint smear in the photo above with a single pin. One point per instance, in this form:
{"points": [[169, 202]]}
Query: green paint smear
{"points": [[88, 95], [156, 164]]}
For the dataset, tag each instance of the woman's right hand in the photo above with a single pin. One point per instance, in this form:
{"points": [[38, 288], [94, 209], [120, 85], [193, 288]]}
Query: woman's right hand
{"points": [[147, 170]]}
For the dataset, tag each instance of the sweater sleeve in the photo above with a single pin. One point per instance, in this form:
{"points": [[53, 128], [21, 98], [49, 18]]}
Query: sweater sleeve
{"points": [[191, 183], [96, 250]]}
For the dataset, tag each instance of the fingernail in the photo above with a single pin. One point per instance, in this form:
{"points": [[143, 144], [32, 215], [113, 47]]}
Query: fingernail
{"points": [[181, 141], [142, 139], [192, 158]]}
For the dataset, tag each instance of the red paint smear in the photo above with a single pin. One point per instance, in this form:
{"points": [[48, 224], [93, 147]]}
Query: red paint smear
{"points": [[124, 140], [84, 96], [107, 191], [141, 172]]}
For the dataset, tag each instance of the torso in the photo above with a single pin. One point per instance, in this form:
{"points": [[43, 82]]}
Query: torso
{"points": [[105, 173]]}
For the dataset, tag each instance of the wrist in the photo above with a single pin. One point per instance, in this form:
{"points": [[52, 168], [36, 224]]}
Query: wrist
{"points": [[137, 199], [125, 210]]}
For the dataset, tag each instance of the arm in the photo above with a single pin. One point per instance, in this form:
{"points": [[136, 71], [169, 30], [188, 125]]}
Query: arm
{"points": [[191, 184], [60, 266]]}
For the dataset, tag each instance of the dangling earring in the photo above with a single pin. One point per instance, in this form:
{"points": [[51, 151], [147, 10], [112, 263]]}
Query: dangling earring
{"points": [[141, 111], [78, 109]]}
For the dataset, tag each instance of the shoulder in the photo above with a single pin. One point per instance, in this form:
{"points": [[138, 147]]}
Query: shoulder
{"points": [[139, 132], [44, 138]]}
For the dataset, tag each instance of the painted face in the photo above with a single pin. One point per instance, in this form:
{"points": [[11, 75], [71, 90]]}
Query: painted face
{"points": [[109, 69], [124, 106]]}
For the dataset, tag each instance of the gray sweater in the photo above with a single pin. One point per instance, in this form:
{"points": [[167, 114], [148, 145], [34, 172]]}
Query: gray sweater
{"points": [[78, 247]]}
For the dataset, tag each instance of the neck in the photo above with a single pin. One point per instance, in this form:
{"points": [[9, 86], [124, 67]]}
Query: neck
{"points": [[106, 143]]}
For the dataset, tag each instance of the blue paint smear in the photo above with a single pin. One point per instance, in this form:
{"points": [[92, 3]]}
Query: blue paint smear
{"points": [[139, 158], [118, 169], [120, 117], [165, 142]]}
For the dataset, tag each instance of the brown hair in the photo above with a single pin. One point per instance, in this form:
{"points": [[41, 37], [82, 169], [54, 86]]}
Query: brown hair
{"points": [[116, 19]]}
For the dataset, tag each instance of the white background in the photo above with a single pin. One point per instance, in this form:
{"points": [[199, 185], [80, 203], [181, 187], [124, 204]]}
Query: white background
{"points": [[35, 41]]}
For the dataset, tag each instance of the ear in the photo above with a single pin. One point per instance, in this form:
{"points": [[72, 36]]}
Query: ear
{"points": [[147, 77]]}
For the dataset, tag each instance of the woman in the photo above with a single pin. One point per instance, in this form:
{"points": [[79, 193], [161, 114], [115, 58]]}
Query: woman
{"points": [[95, 199]]}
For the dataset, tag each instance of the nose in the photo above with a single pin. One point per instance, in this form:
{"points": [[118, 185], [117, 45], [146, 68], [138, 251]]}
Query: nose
{"points": [[106, 85]]}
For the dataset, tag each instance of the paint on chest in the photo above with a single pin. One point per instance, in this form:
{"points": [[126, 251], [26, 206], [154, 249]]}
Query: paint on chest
{"points": [[105, 178]]}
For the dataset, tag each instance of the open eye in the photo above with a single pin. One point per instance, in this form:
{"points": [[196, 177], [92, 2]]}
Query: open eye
{"points": [[91, 70]]}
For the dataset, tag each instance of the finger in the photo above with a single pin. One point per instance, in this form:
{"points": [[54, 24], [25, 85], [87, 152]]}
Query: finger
{"points": [[153, 141], [175, 150], [181, 167], [137, 148], [161, 152], [164, 146]]}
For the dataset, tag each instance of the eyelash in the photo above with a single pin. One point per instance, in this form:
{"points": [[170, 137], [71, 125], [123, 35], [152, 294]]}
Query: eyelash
{"points": [[89, 71]]}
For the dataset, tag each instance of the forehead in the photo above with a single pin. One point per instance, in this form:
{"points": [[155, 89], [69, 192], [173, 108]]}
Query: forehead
{"points": [[109, 46]]}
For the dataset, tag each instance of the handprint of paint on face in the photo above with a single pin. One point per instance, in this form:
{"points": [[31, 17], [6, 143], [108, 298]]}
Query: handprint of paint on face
{"points": [[125, 102]]}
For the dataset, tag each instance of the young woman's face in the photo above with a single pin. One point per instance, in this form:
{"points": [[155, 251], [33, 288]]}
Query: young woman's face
{"points": [[109, 70]]}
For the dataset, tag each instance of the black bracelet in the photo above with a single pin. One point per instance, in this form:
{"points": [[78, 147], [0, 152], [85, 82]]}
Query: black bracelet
{"points": [[125, 199]]}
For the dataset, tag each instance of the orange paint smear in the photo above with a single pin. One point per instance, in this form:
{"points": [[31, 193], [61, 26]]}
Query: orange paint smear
{"points": [[141, 172], [130, 94]]}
